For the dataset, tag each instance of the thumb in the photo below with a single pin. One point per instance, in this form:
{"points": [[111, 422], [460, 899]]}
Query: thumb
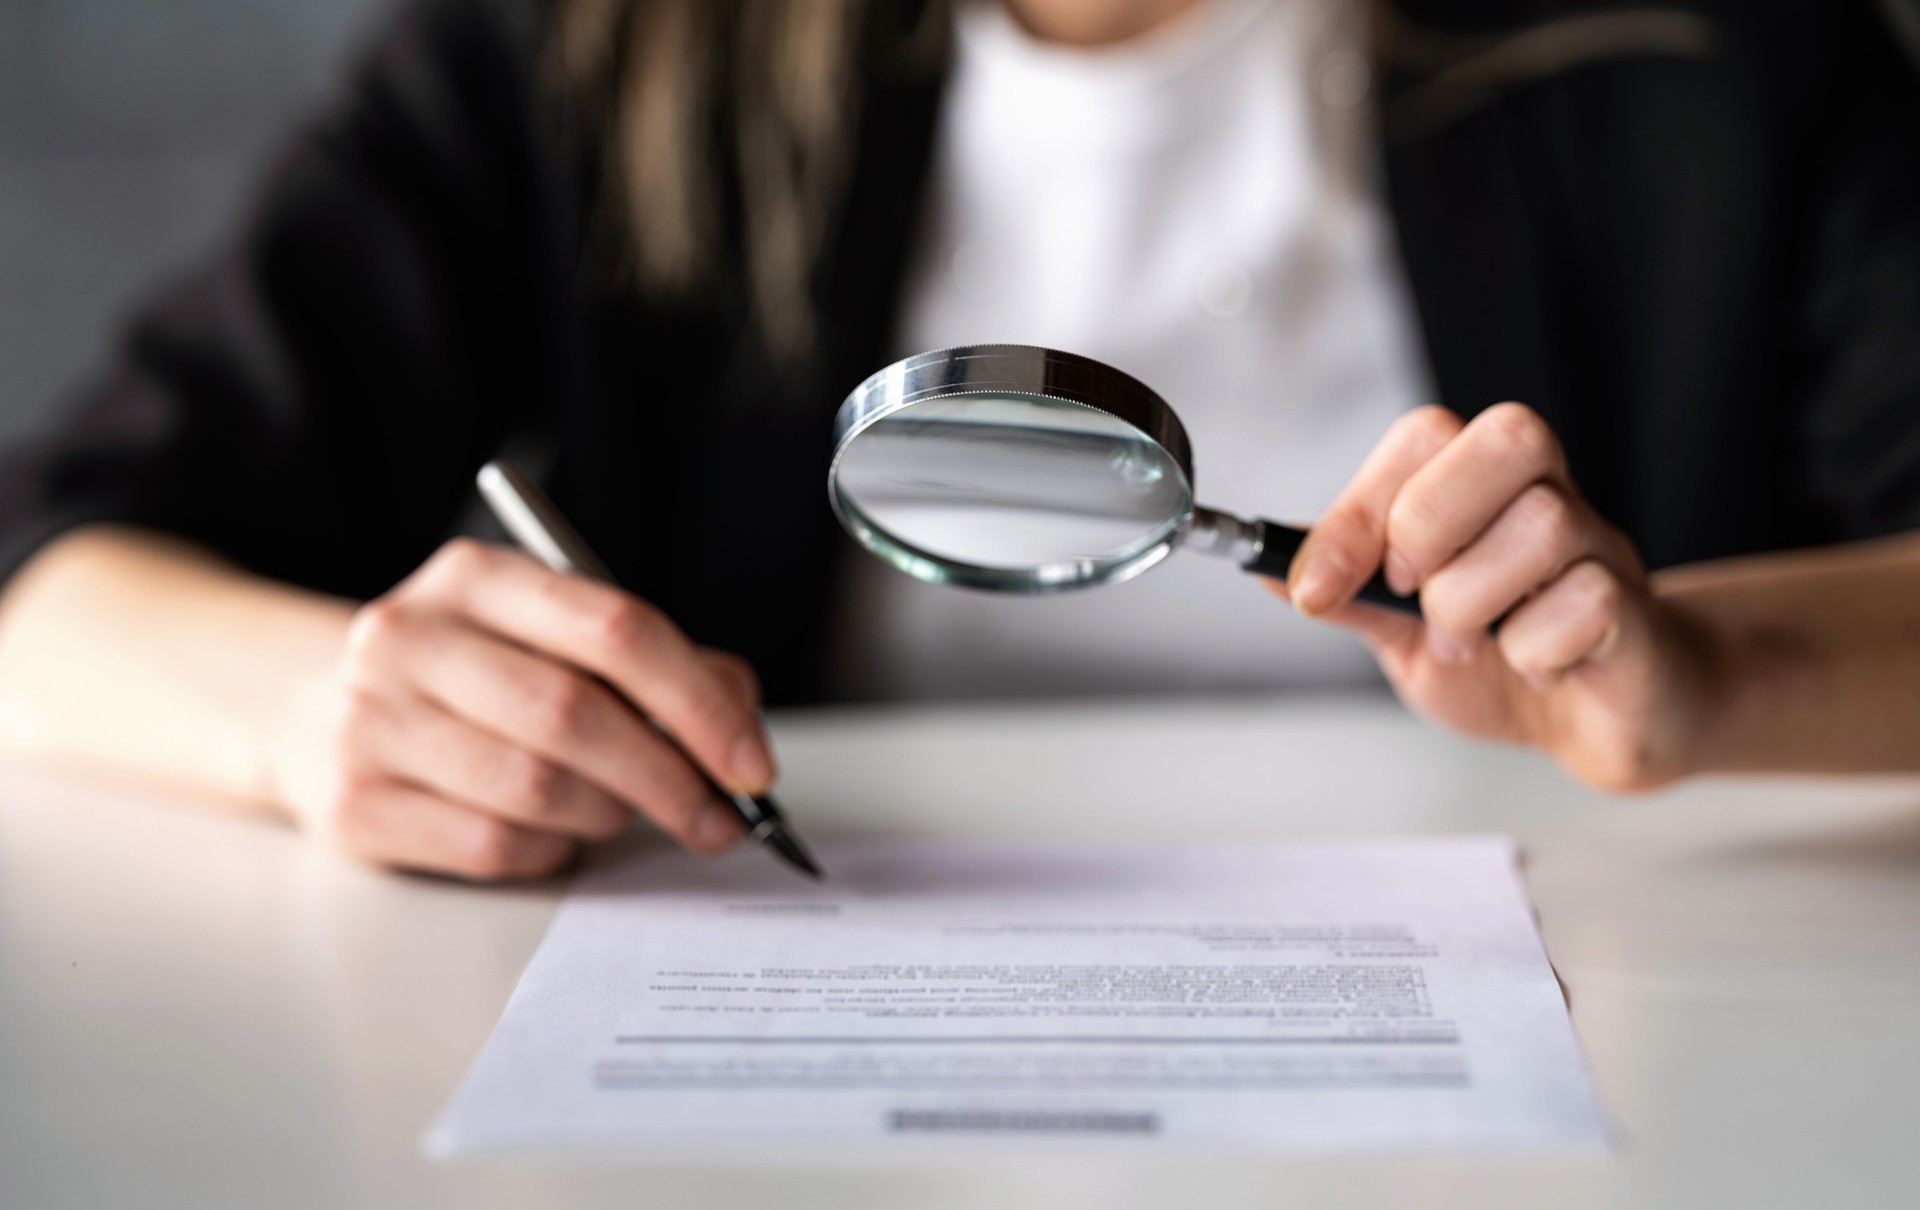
{"points": [[1389, 633]]}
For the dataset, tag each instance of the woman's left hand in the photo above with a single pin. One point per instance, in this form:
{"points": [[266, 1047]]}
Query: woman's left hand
{"points": [[1483, 520]]}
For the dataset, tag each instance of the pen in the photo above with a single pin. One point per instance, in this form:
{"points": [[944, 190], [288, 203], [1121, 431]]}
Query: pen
{"points": [[538, 527]]}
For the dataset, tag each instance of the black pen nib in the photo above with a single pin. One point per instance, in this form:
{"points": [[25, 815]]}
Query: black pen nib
{"points": [[785, 843]]}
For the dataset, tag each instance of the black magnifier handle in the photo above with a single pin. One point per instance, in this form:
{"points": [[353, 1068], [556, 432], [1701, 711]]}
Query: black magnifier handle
{"points": [[1275, 545]]}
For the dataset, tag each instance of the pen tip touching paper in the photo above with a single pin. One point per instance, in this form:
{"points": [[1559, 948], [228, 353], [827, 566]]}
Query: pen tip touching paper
{"points": [[783, 842]]}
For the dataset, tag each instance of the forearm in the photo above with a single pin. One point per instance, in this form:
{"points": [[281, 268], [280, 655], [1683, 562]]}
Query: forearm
{"points": [[125, 648], [1816, 655]]}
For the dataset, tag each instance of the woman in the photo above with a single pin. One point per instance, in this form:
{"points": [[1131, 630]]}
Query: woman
{"points": [[663, 237]]}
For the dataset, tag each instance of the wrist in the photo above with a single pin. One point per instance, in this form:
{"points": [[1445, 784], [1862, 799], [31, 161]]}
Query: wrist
{"points": [[309, 638], [1733, 676]]}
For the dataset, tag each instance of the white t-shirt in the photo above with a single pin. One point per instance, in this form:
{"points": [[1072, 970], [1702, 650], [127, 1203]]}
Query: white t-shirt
{"points": [[1201, 209]]}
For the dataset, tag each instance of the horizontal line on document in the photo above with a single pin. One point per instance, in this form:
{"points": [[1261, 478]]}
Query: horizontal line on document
{"points": [[1001, 1039], [975, 1121]]}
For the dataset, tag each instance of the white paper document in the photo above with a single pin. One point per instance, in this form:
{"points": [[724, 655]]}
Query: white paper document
{"points": [[1371, 995]]}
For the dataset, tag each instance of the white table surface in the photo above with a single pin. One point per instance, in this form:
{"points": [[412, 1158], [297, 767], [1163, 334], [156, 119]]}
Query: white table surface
{"points": [[199, 1010]]}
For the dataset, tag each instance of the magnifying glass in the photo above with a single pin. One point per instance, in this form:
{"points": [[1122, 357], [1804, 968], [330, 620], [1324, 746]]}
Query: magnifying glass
{"points": [[1027, 470]]}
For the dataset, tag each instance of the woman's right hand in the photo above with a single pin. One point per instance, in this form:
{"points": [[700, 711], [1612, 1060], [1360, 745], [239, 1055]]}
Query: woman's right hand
{"points": [[467, 728]]}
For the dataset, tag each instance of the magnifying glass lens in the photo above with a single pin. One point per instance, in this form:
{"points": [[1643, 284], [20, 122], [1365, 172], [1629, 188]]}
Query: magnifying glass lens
{"points": [[1019, 469], [1013, 483]]}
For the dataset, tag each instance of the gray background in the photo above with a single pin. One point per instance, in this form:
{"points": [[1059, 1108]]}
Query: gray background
{"points": [[130, 133]]}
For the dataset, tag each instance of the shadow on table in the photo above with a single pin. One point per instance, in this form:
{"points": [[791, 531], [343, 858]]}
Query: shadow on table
{"points": [[1890, 843], [881, 870]]}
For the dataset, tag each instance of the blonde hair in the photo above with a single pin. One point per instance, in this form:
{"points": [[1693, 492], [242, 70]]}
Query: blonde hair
{"points": [[659, 76]]}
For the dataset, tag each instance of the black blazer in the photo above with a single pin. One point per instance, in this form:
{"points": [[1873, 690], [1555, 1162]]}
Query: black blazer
{"points": [[1694, 246]]}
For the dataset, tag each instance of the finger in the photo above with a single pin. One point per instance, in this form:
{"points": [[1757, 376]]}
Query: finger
{"points": [[613, 635], [1395, 639], [546, 707], [1579, 618], [737, 671], [1454, 497], [1531, 542], [419, 741], [392, 824], [1349, 541]]}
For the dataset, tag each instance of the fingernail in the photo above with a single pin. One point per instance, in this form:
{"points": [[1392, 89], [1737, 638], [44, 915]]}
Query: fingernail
{"points": [[750, 766], [1321, 579], [715, 827], [1445, 648], [1400, 575]]}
